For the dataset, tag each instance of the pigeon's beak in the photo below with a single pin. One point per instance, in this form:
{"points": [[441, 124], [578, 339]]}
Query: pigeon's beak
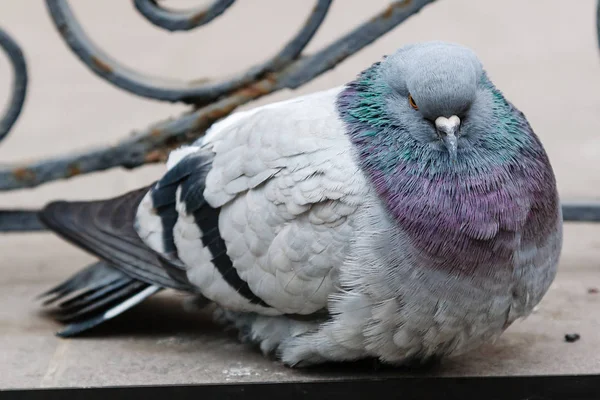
{"points": [[448, 129]]}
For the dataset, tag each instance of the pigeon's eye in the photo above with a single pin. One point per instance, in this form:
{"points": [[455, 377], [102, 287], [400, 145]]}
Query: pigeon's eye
{"points": [[412, 103]]}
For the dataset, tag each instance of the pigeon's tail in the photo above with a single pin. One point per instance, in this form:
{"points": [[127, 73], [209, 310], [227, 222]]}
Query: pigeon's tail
{"points": [[94, 295], [129, 270]]}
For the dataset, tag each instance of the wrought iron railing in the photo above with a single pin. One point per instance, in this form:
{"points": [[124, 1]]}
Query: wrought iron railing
{"points": [[210, 101]]}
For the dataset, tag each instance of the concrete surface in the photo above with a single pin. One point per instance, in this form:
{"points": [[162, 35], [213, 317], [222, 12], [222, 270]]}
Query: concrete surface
{"points": [[541, 53]]}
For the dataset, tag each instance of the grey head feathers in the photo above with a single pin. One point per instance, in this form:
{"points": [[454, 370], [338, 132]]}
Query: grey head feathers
{"points": [[441, 77]]}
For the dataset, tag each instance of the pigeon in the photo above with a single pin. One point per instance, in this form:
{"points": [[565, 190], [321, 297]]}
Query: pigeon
{"points": [[407, 216]]}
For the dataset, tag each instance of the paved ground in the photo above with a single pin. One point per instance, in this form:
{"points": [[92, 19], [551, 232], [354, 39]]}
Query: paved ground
{"points": [[541, 53]]}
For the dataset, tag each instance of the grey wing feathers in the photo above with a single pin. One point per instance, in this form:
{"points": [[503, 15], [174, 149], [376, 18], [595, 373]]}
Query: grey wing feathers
{"points": [[105, 228], [184, 184]]}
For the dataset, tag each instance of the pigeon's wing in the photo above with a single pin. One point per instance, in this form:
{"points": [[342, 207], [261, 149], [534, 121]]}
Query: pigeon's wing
{"points": [[264, 207], [105, 228]]}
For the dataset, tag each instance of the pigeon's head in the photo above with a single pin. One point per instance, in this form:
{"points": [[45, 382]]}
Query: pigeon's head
{"points": [[434, 90]]}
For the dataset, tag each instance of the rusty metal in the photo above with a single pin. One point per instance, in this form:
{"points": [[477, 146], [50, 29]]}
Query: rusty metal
{"points": [[212, 101], [174, 20], [198, 92], [19, 84]]}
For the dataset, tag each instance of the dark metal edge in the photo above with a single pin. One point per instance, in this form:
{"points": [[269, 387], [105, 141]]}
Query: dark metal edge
{"points": [[574, 387]]}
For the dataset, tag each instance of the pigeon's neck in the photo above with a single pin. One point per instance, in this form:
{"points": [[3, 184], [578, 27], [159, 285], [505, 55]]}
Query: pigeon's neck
{"points": [[448, 209]]}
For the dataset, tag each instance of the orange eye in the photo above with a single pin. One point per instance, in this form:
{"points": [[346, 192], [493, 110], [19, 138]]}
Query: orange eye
{"points": [[412, 103]]}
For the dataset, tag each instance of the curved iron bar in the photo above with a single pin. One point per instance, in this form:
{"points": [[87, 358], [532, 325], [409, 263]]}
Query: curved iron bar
{"points": [[171, 89], [173, 20], [19, 84]]}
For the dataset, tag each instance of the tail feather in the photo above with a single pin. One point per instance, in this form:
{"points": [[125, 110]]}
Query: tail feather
{"points": [[113, 297], [96, 319], [90, 295], [96, 294], [93, 276]]}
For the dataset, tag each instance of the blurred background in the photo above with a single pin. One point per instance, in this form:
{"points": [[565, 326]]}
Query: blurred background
{"points": [[542, 54]]}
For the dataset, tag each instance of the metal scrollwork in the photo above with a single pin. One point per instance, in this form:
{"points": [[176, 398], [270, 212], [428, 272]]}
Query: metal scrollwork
{"points": [[19, 85], [171, 89], [181, 20]]}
